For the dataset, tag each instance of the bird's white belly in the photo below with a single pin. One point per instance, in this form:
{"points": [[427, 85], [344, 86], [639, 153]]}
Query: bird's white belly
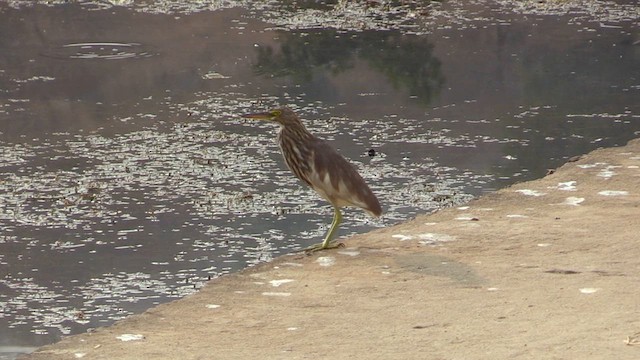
{"points": [[339, 196]]}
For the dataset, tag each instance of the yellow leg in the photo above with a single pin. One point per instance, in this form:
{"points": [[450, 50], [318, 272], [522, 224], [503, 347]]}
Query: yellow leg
{"points": [[327, 244], [337, 219]]}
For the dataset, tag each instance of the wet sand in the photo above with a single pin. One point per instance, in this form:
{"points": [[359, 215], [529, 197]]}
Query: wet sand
{"points": [[543, 269]]}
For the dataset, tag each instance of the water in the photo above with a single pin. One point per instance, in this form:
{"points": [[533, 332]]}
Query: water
{"points": [[127, 178]]}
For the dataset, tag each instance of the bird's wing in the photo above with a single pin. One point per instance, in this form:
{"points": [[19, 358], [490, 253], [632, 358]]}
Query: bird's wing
{"points": [[335, 179]]}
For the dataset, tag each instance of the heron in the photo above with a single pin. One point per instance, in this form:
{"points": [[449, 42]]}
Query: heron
{"points": [[322, 168]]}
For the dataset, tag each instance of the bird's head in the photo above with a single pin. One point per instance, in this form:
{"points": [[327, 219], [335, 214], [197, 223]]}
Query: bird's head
{"points": [[283, 116]]}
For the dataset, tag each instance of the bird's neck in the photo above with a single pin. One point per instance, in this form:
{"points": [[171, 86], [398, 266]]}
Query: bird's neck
{"points": [[297, 131]]}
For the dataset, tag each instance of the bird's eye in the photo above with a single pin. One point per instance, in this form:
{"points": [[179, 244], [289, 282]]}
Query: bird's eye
{"points": [[275, 113]]}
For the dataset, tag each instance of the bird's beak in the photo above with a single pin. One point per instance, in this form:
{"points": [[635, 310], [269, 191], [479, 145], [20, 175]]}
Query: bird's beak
{"points": [[258, 116]]}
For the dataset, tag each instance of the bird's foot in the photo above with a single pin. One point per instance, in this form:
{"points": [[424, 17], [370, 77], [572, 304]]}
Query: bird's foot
{"points": [[321, 246]]}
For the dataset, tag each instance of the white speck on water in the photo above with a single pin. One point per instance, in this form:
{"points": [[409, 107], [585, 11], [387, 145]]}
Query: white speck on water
{"points": [[566, 186], [277, 294], [212, 306], [589, 290], [529, 192], [126, 231], [326, 261], [58, 245], [492, 289], [430, 223], [79, 355], [214, 75], [349, 252], [402, 237], [127, 247], [544, 244], [633, 167], [276, 283], [573, 201], [516, 216], [130, 337], [464, 207], [386, 273], [613, 193], [292, 328]]}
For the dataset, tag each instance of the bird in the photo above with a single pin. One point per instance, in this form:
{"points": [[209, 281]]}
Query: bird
{"points": [[322, 168]]}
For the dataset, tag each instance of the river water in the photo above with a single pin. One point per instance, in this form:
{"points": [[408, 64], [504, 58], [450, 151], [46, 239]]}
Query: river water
{"points": [[127, 178]]}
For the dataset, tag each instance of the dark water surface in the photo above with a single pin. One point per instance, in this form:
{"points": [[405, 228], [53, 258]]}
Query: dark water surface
{"points": [[127, 178]]}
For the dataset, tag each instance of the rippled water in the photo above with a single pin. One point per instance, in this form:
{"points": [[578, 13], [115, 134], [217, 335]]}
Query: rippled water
{"points": [[127, 178]]}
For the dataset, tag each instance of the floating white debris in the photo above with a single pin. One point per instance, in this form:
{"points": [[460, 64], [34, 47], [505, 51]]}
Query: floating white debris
{"points": [[126, 231], [529, 192], [326, 261], [214, 75], [130, 337], [492, 289], [79, 355], [277, 294], [613, 193], [349, 252], [59, 245], [276, 283], [430, 223], [516, 216], [589, 290], [127, 247], [567, 186], [292, 328], [212, 306], [464, 207], [544, 244]]}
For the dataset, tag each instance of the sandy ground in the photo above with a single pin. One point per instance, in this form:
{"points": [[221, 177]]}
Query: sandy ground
{"points": [[547, 269]]}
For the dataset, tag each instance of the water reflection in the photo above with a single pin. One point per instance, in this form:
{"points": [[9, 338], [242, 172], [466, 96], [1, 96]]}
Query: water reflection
{"points": [[408, 62], [107, 51]]}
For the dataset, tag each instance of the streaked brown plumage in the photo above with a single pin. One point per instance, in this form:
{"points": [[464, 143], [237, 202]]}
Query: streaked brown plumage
{"points": [[321, 167]]}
